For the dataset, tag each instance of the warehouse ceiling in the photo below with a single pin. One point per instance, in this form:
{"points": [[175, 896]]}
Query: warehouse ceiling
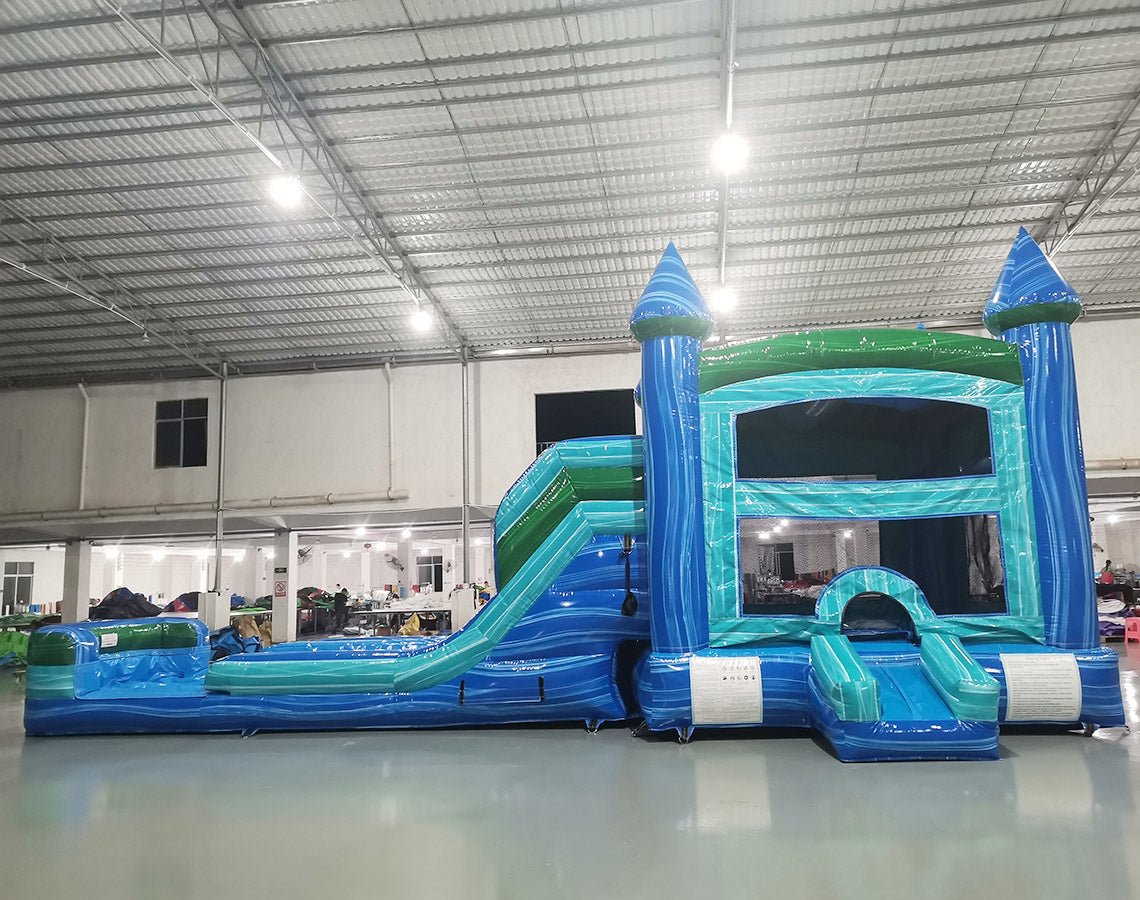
{"points": [[513, 169]]}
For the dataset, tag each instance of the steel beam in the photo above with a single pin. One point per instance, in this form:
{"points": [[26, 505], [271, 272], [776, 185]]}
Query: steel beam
{"points": [[1103, 178], [304, 149], [42, 257], [137, 114]]}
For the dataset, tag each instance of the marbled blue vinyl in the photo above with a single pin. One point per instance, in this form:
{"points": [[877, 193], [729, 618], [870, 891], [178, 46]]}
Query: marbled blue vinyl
{"points": [[576, 688]]}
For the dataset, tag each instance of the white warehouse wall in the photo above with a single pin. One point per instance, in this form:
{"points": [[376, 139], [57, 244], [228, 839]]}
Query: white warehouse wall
{"points": [[321, 433]]}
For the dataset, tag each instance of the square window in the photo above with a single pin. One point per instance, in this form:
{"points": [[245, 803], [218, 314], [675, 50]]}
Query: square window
{"points": [[180, 433]]}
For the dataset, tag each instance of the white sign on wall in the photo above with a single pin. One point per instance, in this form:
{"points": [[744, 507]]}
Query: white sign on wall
{"points": [[726, 690], [1042, 687]]}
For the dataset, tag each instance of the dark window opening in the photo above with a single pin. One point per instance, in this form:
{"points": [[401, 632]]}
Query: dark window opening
{"points": [[180, 433], [864, 439], [955, 560], [582, 414]]}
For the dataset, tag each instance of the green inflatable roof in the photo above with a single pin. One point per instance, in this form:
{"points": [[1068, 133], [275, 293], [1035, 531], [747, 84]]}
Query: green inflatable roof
{"points": [[873, 348]]}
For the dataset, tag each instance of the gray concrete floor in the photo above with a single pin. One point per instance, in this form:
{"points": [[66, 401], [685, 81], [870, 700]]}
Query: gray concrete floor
{"points": [[536, 813]]}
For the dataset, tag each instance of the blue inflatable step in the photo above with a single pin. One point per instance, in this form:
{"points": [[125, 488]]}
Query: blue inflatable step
{"points": [[880, 701]]}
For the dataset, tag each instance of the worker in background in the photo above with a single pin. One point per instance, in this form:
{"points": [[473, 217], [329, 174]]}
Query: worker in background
{"points": [[1106, 586], [340, 609]]}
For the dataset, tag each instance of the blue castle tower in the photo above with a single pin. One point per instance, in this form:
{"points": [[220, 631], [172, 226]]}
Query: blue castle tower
{"points": [[670, 321], [1032, 307]]}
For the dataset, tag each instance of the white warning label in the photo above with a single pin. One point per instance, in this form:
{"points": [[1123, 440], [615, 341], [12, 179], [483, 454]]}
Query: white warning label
{"points": [[726, 690], [1042, 687]]}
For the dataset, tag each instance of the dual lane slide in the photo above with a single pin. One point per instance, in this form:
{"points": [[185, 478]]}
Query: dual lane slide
{"points": [[892, 700]]}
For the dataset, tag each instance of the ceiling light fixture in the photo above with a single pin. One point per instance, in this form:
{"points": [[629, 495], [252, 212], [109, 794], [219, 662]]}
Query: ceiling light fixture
{"points": [[421, 320], [406, 533], [346, 553], [157, 555], [723, 299], [360, 531], [269, 554], [1113, 518], [847, 534], [286, 191], [729, 153]]}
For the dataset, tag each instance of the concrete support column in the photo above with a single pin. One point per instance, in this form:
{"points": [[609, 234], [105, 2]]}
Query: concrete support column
{"points": [[365, 570], [321, 568], [214, 609], [406, 554], [841, 556], [284, 573], [76, 581]]}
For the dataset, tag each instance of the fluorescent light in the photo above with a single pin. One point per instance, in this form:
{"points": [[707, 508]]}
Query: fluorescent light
{"points": [[422, 320], [406, 533], [723, 299], [360, 531], [729, 153], [286, 191]]}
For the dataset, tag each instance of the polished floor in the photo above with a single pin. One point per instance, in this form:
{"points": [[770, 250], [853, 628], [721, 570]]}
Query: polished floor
{"points": [[537, 813]]}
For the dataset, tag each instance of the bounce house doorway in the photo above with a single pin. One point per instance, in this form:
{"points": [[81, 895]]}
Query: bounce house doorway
{"points": [[873, 615]]}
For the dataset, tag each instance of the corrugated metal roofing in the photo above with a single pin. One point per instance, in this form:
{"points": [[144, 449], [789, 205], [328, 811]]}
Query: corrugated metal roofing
{"points": [[528, 160]]}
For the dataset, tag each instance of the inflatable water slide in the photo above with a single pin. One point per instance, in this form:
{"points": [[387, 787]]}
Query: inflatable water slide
{"points": [[880, 534]]}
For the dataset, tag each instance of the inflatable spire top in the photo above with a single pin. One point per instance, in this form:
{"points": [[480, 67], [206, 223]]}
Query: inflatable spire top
{"points": [[671, 303], [1029, 290]]}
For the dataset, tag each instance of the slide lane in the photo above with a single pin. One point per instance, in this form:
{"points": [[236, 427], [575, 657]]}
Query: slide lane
{"points": [[886, 700], [574, 492]]}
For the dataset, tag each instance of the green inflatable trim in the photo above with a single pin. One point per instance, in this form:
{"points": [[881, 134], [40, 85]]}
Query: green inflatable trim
{"points": [[445, 660], [50, 648], [871, 348], [671, 326], [569, 487], [1032, 314], [53, 648]]}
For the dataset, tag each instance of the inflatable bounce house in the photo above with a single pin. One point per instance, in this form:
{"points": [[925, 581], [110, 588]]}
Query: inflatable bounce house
{"points": [[881, 534]]}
